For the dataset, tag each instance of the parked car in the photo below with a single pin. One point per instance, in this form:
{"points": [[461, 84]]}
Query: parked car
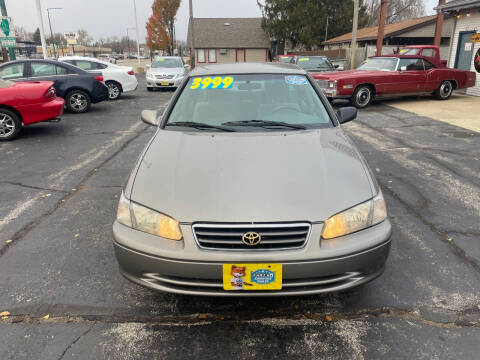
{"points": [[285, 59], [395, 75], [25, 103], [119, 79], [314, 64], [78, 87], [250, 187], [108, 58], [430, 52], [166, 72]]}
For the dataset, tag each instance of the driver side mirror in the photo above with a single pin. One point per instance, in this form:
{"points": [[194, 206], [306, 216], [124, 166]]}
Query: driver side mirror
{"points": [[150, 117], [346, 114]]}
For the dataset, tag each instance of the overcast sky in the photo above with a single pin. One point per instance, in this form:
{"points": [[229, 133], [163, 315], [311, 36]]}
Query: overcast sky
{"points": [[106, 18]]}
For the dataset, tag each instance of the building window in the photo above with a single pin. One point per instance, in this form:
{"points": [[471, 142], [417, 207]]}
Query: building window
{"points": [[201, 55], [212, 56]]}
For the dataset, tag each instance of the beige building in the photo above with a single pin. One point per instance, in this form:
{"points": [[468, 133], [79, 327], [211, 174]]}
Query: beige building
{"points": [[229, 40]]}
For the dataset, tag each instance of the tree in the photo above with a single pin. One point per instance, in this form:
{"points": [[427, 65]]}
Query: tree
{"points": [[37, 38], [161, 25], [83, 38], [397, 10], [304, 22]]}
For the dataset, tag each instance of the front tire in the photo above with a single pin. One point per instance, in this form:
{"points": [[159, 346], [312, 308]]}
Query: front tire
{"points": [[444, 91], [362, 96], [149, 89], [114, 90], [10, 125], [78, 101]]}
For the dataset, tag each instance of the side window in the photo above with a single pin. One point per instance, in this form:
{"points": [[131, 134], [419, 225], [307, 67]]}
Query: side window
{"points": [[13, 71], [411, 64], [43, 69], [63, 70], [101, 66], [429, 52], [86, 65], [428, 65], [71, 62], [201, 55]]}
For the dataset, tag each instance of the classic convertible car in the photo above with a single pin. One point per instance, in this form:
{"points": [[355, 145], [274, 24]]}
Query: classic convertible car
{"points": [[393, 75]]}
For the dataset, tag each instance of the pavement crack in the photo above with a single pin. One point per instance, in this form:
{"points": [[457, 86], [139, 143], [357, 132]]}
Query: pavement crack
{"points": [[75, 341], [31, 186], [68, 195]]}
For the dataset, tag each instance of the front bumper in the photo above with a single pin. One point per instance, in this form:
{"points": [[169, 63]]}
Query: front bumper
{"points": [[163, 83], [203, 275]]}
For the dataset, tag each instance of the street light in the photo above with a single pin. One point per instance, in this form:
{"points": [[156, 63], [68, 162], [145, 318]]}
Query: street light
{"points": [[51, 32], [128, 39]]}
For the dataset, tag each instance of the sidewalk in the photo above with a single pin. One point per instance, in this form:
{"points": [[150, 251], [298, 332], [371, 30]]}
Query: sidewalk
{"points": [[460, 110]]}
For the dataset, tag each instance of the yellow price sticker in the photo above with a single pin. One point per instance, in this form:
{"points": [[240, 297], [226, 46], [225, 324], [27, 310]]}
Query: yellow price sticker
{"points": [[208, 82], [304, 59]]}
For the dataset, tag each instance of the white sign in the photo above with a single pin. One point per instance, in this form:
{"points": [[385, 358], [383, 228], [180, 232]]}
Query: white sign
{"points": [[468, 46], [71, 38], [6, 27]]}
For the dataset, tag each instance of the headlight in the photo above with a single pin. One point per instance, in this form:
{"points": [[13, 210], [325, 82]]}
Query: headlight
{"points": [[150, 75], [357, 218], [332, 84], [141, 218]]}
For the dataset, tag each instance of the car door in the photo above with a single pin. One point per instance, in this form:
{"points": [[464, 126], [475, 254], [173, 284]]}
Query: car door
{"points": [[412, 77], [432, 81], [49, 71], [15, 71]]}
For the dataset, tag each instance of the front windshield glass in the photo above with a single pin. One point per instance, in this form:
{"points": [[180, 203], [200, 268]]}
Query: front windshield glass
{"points": [[314, 63], [247, 102], [408, 51], [167, 63], [5, 83], [380, 63]]}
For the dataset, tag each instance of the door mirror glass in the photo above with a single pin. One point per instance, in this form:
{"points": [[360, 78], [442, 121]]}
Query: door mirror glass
{"points": [[346, 114], [150, 117], [186, 66]]}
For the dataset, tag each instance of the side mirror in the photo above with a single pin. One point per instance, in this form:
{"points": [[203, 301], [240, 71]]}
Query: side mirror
{"points": [[346, 114], [186, 66], [403, 68], [150, 117], [336, 66]]}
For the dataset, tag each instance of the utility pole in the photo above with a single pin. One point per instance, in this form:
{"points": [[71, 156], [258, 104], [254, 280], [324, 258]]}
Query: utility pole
{"points": [[439, 25], [11, 51], [51, 32], [136, 28], [192, 37], [326, 30], [381, 26], [353, 47], [40, 25], [128, 39]]}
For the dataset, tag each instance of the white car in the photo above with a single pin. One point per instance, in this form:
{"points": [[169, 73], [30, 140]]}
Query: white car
{"points": [[107, 58], [119, 79], [166, 72]]}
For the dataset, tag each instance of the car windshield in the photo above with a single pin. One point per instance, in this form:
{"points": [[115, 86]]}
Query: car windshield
{"points": [[257, 102], [167, 63], [408, 51], [314, 63], [5, 83], [380, 63]]}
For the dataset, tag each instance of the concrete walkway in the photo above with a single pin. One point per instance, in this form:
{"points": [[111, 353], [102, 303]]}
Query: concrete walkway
{"points": [[460, 110]]}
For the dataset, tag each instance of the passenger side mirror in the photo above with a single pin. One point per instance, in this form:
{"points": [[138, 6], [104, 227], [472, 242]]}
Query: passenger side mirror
{"points": [[186, 66], [150, 117], [346, 114], [336, 66], [403, 68]]}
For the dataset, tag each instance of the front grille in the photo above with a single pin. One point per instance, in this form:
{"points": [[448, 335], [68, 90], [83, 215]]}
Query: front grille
{"points": [[273, 236], [164, 77], [323, 83]]}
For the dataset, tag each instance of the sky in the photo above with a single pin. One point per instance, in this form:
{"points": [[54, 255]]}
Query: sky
{"points": [[107, 18]]}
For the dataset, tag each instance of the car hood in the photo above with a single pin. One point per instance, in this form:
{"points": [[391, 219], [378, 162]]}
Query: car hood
{"points": [[166, 71], [251, 177], [347, 74]]}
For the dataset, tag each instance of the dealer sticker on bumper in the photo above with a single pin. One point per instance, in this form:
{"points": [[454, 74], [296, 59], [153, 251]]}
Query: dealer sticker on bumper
{"points": [[252, 276]]}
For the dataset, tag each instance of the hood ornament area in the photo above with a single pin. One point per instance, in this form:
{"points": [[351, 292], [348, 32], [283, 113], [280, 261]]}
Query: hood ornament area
{"points": [[251, 238]]}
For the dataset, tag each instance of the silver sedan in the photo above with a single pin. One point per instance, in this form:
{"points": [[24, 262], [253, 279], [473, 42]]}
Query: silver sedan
{"points": [[250, 187]]}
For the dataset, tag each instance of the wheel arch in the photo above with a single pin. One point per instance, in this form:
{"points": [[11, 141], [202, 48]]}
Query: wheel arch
{"points": [[12, 109], [70, 89], [370, 85], [116, 82], [453, 81]]}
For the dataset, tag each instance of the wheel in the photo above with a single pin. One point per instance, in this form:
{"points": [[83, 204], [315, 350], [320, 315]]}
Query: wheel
{"points": [[149, 89], [362, 96], [10, 125], [78, 101], [444, 91], [114, 90]]}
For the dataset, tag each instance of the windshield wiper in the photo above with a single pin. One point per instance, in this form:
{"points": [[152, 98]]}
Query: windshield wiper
{"points": [[263, 123], [198, 125]]}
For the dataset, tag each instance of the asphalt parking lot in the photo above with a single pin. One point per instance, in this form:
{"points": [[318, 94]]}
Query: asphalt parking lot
{"points": [[60, 282]]}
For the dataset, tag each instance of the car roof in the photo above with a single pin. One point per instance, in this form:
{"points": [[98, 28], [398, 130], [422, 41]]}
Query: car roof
{"points": [[46, 61], [246, 68], [87, 58]]}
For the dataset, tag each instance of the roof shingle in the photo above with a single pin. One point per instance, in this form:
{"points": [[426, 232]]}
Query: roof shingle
{"points": [[241, 33]]}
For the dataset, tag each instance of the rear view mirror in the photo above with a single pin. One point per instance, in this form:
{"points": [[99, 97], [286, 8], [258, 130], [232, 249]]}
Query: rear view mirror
{"points": [[346, 114], [150, 117]]}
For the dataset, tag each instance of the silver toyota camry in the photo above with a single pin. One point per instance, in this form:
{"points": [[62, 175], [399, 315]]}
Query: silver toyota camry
{"points": [[166, 72], [250, 187]]}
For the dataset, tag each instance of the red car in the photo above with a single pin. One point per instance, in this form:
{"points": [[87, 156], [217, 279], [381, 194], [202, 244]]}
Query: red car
{"points": [[393, 75], [25, 103]]}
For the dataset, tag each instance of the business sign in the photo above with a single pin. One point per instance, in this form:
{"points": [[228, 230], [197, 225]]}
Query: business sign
{"points": [[476, 38], [8, 42], [71, 38], [476, 61]]}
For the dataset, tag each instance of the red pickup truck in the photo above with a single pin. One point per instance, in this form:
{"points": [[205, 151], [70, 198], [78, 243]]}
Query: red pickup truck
{"points": [[408, 72]]}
